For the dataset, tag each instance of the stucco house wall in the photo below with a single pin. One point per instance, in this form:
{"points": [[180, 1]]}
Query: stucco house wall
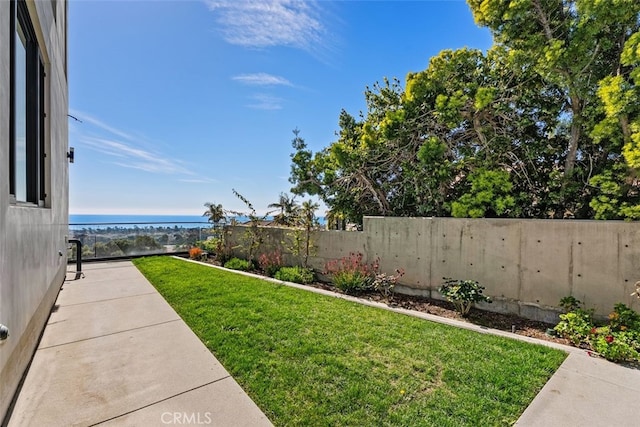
{"points": [[33, 238]]}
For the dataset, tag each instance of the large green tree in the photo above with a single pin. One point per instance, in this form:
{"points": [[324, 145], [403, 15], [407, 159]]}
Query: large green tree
{"points": [[544, 124], [578, 47]]}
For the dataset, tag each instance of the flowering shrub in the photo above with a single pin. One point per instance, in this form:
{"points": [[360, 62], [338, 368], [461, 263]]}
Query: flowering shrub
{"points": [[295, 274], [385, 283], [351, 282], [270, 263], [351, 274], [195, 253], [619, 340], [615, 346], [623, 318], [463, 293]]}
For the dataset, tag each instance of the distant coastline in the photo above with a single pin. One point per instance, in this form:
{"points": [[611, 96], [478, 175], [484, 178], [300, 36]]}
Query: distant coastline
{"points": [[79, 220], [134, 219]]}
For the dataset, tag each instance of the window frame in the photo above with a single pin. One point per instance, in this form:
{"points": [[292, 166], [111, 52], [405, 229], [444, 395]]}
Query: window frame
{"points": [[35, 111]]}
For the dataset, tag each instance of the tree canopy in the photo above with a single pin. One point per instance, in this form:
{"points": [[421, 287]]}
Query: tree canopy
{"points": [[545, 124]]}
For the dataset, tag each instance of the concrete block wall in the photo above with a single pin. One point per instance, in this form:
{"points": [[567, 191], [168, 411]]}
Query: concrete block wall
{"points": [[527, 266]]}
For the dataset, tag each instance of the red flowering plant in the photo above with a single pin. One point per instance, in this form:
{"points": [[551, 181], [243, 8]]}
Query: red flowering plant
{"points": [[270, 263], [619, 340], [352, 274]]}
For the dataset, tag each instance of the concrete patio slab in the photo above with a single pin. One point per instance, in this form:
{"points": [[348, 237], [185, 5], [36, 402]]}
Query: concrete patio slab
{"points": [[107, 281], [112, 375], [586, 391], [187, 409], [77, 322], [114, 351]]}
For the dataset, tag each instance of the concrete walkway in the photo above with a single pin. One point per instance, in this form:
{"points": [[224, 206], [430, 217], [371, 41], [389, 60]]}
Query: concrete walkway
{"points": [[586, 391], [115, 353]]}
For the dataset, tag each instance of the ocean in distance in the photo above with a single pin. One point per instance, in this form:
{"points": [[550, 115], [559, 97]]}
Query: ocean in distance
{"points": [[129, 221], [77, 221]]}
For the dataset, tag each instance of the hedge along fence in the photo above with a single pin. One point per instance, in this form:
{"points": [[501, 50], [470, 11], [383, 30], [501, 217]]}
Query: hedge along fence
{"points": [[527, 266]]}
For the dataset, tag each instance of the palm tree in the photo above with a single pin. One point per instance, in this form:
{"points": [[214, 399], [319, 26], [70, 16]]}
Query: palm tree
{"points": [[215, 213], [308, 214], [289, 210]]}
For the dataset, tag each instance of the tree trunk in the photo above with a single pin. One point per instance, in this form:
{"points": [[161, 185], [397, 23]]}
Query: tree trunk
{"points": [[576, 132]]}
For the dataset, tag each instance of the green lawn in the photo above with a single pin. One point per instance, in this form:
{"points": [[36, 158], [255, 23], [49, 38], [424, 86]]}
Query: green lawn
{"points": [[307, 359]]}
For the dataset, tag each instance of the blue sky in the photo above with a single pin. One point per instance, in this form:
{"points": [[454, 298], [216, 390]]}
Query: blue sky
{"points": [[181, 101]]}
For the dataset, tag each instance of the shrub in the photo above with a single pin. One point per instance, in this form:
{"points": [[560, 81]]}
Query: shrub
{"points": [[210, 245], [216, 247], [351, 282], [238, 264], [463, 293], [195, 253], [623, 318], [351, 274], [385, 283], [270, 263], [619, 340], [570, 303], [575, 325], [615, 346], [295, 274]]}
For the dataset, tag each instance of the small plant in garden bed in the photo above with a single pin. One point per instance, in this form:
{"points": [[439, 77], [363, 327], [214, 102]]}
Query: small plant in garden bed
{"points": [[295, 274], [238, 264], [619, 340], [270, 263], [195, 253], [217, 247], [386, 283], [351, 274], [463, 293], [576, 324]]}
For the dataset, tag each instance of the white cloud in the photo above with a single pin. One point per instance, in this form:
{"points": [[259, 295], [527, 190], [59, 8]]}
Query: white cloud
{"points": [[125, 150], [266, 102], [265, 23], [199, 180], [262, 79], [133, 157], [84, 117]]}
